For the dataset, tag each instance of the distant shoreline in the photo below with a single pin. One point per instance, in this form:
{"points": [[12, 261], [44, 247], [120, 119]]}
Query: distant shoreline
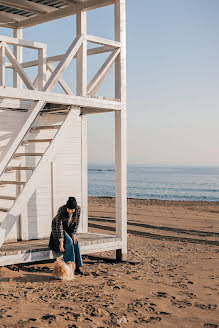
{"points": [[109, 199]]}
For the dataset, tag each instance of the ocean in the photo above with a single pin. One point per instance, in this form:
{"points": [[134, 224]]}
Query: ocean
{"points": [[157, 182]]}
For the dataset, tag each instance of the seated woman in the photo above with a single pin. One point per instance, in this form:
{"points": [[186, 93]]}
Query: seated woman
{"points": [[63, 237]]}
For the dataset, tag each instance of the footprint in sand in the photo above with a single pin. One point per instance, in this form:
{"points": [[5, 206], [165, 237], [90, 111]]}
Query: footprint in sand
{"points": [[206, 307], [162, 294], [147, 319], [190, 295]]}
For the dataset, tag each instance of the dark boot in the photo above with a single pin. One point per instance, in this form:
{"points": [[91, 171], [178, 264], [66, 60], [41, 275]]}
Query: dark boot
{"points": [[78, 271]]}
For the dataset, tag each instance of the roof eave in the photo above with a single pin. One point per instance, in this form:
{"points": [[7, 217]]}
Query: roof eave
{"points": [[71, 9]]}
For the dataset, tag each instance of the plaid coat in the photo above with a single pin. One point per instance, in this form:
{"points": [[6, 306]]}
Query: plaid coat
{"points": [[60, 224]]}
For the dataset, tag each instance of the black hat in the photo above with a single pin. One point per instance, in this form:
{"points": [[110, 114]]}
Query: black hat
{"points": [[71, 203]]}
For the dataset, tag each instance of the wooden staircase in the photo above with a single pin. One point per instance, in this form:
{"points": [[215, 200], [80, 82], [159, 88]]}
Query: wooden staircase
{"points": [[23, 163]]}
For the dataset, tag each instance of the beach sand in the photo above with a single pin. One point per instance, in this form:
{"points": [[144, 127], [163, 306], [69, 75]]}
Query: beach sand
{"points": [[171, 278]]}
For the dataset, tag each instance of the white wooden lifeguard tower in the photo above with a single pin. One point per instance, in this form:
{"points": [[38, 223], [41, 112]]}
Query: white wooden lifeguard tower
{"points": [[43, 134]]}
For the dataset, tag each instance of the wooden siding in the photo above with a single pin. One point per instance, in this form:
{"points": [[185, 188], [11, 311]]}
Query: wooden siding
{"points": [[10, 124], [67, 168], [60, 179]]}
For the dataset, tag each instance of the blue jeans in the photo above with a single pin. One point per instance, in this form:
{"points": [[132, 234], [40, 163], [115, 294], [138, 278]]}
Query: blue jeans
{"points": [[72, 251]]}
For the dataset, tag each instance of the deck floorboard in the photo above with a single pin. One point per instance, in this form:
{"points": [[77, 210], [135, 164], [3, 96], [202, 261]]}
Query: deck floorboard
{"points": [[39, 245]]}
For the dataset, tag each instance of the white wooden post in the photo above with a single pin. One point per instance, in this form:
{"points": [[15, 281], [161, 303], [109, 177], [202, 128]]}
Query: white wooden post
{"points": [[18, 53], [2, 64], [17, 83], [120, 131], [41, 68], [82, 91]]}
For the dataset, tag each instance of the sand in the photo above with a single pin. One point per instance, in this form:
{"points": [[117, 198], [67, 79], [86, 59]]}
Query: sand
{"points": [[171, 278]]}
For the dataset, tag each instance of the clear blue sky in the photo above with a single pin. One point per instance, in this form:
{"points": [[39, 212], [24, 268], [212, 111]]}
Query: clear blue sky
{"points": [[172, 75]]}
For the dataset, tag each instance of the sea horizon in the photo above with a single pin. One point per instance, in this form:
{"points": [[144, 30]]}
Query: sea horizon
{"points": [[157, 181]]}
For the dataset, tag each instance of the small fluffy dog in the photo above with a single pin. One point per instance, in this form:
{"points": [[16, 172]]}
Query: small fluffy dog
{"points": [[62, 270]]}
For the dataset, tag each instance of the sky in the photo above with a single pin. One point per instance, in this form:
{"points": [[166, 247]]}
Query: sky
{"points": [[172, 80]]}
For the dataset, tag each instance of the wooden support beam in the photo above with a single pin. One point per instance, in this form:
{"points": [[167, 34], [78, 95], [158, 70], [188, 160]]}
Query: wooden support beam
{"points": [[94, 111], [6, 24], [18, 68], [22, 43], [103, 41], [57, 98], [99, 50], [121, 131], [14, 104], [94, 4], [75, 1], [81, 28], [11, 17], [4, 20], [96, 82]]}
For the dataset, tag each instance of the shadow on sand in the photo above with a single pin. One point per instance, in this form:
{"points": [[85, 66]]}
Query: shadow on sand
{"points": [[143, 225], [151, 235]]}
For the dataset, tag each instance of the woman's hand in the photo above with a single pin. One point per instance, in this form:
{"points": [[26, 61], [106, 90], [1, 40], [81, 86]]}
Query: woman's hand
{"points": [[61, 247], [75, 239]]}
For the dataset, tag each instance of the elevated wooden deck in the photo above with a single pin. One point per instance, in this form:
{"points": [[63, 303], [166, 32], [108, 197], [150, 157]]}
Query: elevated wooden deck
{"points": [[37, 250]]}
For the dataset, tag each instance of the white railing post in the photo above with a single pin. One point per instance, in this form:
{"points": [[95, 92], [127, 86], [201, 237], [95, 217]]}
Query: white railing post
{"points": [[2, 64], [41, 68], [18, 53]]}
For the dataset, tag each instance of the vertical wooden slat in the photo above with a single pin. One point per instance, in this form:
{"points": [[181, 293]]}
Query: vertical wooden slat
{"points": [[17, 83], [81, 22], [18, 53], [18, 190], [2, 64], [120, 131], [41, 68]]}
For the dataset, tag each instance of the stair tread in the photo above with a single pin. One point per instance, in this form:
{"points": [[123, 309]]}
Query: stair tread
{"points": [[20, 168], [28, 154], [4, 209], [7, 197], [36, 140], [45, 127], [12, 182]]}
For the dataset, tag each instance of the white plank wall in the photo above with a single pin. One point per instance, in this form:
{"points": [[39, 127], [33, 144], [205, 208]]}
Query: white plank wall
{"points": [[10, 124], [59, 181], [67, 172]]}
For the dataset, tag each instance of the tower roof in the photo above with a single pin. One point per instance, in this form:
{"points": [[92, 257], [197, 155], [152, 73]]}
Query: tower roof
{"points": [[25, 13]]}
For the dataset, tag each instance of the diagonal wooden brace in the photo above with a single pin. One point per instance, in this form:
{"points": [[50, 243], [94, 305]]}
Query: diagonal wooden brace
{"points": [[18, 68], [61, 82], [63, 64], [95, 83]]}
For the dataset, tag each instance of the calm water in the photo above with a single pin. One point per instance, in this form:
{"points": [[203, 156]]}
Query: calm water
{"points": [[158, 182]]}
